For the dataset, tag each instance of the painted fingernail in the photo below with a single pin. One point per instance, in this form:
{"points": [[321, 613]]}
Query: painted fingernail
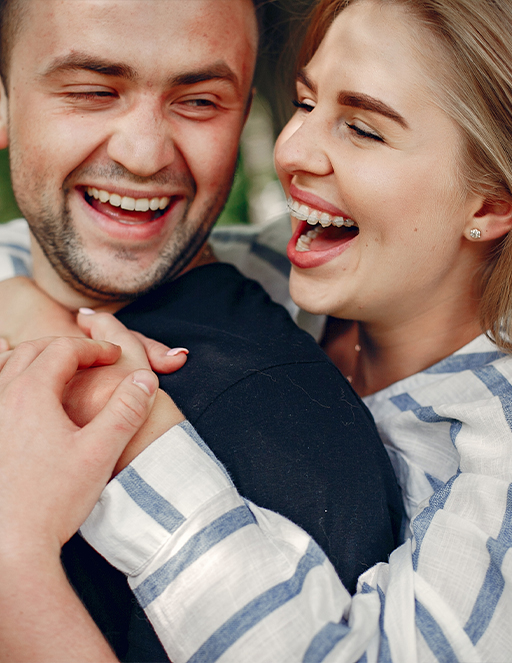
{"points": [[176, 351], [146, 380], [86, 311]]}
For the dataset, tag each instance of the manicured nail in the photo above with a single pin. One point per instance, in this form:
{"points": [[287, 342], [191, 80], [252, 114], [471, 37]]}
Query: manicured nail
{"points": [[146, 380], [176, 351], [86, 311]]}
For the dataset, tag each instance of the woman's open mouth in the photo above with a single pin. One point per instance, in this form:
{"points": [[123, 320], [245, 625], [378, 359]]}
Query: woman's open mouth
{"points": [[126, 209], [319, 233]]}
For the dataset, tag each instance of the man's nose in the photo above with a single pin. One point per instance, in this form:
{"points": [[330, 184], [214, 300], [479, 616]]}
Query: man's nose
{"points": [[141, 139]]}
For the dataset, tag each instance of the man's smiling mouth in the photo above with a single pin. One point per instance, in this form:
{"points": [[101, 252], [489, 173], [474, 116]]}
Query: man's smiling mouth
{"points": [[126, 209]]}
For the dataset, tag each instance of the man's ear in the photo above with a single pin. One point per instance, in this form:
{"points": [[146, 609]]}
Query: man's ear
{"points": [[4, 117], [492, 219]]}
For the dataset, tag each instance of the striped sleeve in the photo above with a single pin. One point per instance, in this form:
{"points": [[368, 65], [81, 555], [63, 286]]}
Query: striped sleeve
{"points": [[15, 257], [223, 580]]}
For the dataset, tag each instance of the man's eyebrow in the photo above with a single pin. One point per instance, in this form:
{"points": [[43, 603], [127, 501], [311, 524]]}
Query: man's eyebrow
{"points": [[358, 100], [216, 71], [79, 61]]}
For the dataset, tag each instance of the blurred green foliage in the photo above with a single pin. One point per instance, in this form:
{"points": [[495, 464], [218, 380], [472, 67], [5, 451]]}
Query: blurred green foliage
{"points": [[8, 208], [236, 209]]}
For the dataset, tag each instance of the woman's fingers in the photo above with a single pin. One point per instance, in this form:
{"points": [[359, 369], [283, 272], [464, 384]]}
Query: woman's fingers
{"points": [[162, 358], [105, 326]]}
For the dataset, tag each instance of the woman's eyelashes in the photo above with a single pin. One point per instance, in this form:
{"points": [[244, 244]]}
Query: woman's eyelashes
{"points": [[364, 133], [308, 106], [303, 105]]}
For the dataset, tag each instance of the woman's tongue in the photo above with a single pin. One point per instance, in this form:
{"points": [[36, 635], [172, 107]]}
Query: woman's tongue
{"points": [[332, 235]]}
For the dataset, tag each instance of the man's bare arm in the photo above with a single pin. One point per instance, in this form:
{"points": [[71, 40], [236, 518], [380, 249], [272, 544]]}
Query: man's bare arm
{"points": [[52, 474]]}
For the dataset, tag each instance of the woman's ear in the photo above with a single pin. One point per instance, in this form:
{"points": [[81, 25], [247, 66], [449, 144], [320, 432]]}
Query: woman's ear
{"points": [[4, 138], [492, 219]]}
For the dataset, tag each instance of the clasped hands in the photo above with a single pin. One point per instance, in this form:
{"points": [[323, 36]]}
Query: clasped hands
{"points": [[74, 411]]}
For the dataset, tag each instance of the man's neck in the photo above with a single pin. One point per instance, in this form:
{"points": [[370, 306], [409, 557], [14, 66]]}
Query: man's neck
{"points": [[50, 282]]}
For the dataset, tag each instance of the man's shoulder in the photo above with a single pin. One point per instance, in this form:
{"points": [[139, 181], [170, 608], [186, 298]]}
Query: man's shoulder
{"points": [[217, 302], [231, 327], [259, 252]]}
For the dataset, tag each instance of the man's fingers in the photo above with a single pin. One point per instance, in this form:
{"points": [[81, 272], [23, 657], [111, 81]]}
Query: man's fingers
{"points": [[162, 358], [4, 356], [123, 415], [56, 360]]}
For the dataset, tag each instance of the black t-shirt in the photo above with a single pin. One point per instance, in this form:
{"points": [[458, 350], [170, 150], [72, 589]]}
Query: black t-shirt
{"points": [[276, 412]]}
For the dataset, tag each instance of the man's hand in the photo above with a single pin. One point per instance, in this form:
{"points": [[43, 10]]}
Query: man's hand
{"points": [[52, 471], [51, 474]]}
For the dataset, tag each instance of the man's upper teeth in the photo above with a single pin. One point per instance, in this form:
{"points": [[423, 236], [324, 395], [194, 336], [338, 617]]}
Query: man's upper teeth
{"points": [[128, 203], [313, 216]]}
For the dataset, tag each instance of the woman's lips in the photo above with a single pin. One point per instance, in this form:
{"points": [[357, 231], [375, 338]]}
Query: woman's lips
{"points": [[324, 245], [314, 201]]}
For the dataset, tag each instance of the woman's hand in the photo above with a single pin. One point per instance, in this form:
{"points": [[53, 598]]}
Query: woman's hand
{"points": [[89, 390]]}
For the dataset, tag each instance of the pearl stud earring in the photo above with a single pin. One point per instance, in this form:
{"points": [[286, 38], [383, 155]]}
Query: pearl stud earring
{"points": [[474, 233]]}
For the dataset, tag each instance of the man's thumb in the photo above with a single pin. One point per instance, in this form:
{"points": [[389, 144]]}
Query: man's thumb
{"points": [[126, 410]]}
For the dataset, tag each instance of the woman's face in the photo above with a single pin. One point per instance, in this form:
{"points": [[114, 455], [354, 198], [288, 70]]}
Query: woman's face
{"points": [[369, 144]]}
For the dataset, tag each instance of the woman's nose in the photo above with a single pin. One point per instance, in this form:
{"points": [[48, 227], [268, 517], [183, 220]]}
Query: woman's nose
{"points": [[300, 147]]}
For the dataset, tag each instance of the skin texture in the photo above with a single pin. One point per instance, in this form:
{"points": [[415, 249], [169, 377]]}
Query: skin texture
{"points": [[408, 275], [124, 109]]}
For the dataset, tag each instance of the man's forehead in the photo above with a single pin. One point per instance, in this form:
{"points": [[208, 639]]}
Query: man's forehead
{"points": [[167, 31]]}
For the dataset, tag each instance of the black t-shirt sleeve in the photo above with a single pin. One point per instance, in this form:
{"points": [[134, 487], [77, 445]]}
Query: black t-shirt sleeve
{"points": [[297, 440]]}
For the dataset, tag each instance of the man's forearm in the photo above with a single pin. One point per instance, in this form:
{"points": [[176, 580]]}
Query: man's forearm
{"points": [[42, 618]]}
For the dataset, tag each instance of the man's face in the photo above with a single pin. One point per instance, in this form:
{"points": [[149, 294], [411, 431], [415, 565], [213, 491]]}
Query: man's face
{"points": [[123, 123]]}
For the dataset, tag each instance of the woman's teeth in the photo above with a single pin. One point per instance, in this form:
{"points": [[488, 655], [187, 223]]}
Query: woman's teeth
{"points": [[313, 216], [304, 241], [127, 203]]}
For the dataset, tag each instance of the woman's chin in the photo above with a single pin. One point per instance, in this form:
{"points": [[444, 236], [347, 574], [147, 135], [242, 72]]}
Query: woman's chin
{"points": [[312, 296]]}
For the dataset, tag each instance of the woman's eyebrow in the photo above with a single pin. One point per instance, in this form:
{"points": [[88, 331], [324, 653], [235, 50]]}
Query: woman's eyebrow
{"points": [[357, 100], [365, 102]]}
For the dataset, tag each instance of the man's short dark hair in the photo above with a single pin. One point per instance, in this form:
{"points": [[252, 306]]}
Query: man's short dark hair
{"points": [[11, 19], [11, 16]]}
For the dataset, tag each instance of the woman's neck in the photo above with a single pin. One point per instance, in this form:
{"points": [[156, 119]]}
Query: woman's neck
{"points": [[375, 356]]}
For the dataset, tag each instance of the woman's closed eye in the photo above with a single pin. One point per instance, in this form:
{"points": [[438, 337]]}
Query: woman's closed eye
{"points": [[364, 133], [307, 105]]}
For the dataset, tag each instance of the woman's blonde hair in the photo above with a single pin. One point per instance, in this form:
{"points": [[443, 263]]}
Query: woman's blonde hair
{"points": [[476, 41]]}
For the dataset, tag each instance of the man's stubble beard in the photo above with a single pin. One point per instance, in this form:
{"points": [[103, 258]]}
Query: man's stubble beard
{"points": [[63, 248]]}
